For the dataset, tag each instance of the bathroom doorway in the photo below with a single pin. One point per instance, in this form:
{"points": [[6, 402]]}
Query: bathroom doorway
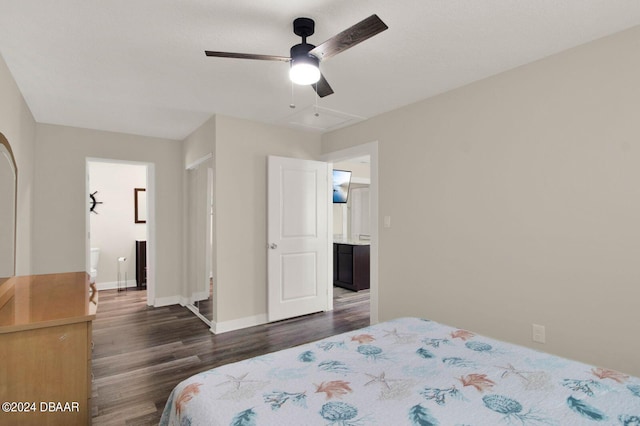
{"points": [[365, 155], [119, 223]]}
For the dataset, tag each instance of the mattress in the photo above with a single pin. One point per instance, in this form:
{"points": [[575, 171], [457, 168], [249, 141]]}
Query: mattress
{"points": [[406, 371]]}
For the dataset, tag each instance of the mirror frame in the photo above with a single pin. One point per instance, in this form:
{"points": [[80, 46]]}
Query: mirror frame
{"points": [[140, 205], [5, 143]]}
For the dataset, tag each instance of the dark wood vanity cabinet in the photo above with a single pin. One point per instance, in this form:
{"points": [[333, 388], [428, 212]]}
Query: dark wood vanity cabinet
{"points": [[141, 264], [351, 266]]}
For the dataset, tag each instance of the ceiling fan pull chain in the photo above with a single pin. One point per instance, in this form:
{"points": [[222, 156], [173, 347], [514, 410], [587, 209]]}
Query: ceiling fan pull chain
{"points": [[292, 105], [317, 114]]}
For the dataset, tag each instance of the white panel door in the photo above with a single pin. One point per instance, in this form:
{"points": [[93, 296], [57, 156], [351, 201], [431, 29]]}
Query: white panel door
{"points": [[298, 239]]}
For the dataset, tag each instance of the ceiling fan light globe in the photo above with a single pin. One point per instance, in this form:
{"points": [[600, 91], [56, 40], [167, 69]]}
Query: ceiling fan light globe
{"points": [[304, 73]]}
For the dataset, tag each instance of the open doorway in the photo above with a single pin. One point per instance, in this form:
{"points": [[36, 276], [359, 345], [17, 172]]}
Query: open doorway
{"points": [[357, 222], [119, 223], [352, 218]]}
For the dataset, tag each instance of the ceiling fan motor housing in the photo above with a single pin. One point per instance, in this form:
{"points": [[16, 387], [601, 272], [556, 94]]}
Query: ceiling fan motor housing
{"points": [[304, 67], [300, 52]]}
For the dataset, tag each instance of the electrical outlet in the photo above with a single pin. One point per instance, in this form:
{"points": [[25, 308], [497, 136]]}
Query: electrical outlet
{"points": [[538, 333]]}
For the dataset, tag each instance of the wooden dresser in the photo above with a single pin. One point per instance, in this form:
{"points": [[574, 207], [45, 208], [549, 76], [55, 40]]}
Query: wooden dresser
{"points": [[45, 349]]}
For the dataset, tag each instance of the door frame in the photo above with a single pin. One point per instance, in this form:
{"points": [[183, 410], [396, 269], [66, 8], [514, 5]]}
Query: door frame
{"points": [[370, 149]]}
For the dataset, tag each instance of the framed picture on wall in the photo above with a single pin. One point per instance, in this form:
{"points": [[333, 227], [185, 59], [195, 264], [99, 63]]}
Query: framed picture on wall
{"points": [[140, 203]]}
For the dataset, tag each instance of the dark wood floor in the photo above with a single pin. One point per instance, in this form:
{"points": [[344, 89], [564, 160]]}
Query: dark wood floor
{"points": [[141, 353]]}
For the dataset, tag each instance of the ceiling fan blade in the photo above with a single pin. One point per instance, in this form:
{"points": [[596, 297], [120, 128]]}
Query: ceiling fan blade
{"points": [[358, 33], [247, 56], [322, 87]]}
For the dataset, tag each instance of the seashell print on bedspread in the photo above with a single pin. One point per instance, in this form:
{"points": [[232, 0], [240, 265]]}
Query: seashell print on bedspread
{"points": [[406, 371]]}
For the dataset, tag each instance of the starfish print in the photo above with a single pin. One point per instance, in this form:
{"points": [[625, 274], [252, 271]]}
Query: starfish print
{"points": [[510, 369], [393, 333], [380, 379], [400, 337], [237, 381]]}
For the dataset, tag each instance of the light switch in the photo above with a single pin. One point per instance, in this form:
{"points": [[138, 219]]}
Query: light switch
{"points": [[387, 221], [538, 333]]}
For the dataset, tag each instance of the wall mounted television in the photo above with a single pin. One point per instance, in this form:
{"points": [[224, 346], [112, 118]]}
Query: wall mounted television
{"points": [[341, 182]]}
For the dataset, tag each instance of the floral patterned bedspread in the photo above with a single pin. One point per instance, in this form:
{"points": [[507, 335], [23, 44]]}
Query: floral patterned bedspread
{"points": [[406, 371]]}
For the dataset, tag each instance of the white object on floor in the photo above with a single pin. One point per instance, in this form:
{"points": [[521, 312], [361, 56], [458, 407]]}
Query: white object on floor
{"points": [[122, 263], [93, 271]]}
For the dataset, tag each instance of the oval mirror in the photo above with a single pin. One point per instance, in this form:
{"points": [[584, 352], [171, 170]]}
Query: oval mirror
{"points": [[8, 200]]}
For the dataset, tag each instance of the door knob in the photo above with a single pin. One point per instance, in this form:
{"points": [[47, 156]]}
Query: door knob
{"points": [[273, 246]]}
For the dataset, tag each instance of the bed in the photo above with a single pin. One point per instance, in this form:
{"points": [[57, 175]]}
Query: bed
{"points": [[406, 371]]}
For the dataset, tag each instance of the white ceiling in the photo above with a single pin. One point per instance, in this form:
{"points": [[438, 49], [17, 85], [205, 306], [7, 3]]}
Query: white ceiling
{"points": [[138, 66]]}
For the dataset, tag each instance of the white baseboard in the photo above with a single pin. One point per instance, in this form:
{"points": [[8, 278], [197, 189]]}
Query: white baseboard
{"points": [[216, 327], [114, 285], [166, 301], [172, 300], [202, 295], [237, 324], [186, 301]]}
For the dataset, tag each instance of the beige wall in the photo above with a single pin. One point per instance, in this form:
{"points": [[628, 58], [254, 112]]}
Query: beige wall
{"points": [[516, 200], [60, 199], [241, 150], [18, 126], [200, 143]]}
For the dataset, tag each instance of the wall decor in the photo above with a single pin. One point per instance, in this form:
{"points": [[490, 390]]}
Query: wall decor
{"points": [[93, 202], [140, 205]]}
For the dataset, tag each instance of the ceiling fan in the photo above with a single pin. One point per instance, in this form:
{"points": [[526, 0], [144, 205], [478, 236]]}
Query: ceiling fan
{"points": [[305, 58]]}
